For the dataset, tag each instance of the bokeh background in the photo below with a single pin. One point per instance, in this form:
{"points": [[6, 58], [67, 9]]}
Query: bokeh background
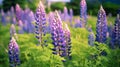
{"points": [[110, 6]]}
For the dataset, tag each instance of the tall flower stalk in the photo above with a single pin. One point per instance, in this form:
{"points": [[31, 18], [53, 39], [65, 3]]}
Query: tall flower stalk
{"points": [[13, 52], [60, 37], [67, 41], [57, 34], [13, 31], [101, 26], [83, 11], [40, 17], [91, 37], [71, 17], [116, 33]]}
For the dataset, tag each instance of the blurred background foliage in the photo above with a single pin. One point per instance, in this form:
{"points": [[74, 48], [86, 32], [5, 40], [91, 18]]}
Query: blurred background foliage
{"points": [[110, 6]]}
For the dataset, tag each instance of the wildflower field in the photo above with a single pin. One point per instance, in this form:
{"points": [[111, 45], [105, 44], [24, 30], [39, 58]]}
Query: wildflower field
{"points": [[58, 38]]}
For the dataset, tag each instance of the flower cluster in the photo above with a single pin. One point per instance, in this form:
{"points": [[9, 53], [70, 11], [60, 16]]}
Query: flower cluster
{"points": [[71, 17], [12, 31], [83, 11], [13, 52], [67, 42], [91, 37], [101, 26], [27, 17], [116, 33], [60, 37], [3, 18], [40, 17]]}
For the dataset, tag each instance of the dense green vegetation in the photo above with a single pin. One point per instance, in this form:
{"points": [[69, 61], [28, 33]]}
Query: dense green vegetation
{"points": [[83, 55]]}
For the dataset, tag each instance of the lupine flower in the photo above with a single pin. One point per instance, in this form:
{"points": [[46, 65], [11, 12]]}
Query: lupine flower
{"points": [[110, 28], [101, 26], [40, 17], [116, 33], [83, 11], [13, 31], [91, 37], [57, 33], [78, 23], [67, 42], [65, 14], [61, 38], [71, 17], [3, 18], [12, 13], [18, 12], [14, 20], [13, 52], [20, 24]]}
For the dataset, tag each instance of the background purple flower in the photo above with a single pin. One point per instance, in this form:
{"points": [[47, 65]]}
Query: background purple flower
{"points": [[83, 12], [115, 42], [91, 38], [13, 31]]}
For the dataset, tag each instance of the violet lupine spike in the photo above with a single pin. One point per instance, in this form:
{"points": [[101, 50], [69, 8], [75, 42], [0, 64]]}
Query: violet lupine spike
{"points": [[65, 14], [21, 29], [116, 33], [40, 17], [14, 20], [91, 38], [78, 23], [57, 33], [13, 31], [83, 11], [13, 52], [18, 12], [71, 17], [3, 18], [101, 26], [67, 41], [110, 28], [12, 12]]}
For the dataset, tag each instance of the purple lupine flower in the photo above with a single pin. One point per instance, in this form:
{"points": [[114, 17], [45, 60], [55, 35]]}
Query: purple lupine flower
{"points": [[12, 12], [83, 12], [65, 14], [110, 28], [13, 31], [3, 18], [21, 29], [18, 12], [29, 19], [71, 17], [60, 37], [40, 17], [67, 41], [116, 33], [14, 20], [91, 38], [78, 23], [57, 33], [13, 52], [101, 26]]}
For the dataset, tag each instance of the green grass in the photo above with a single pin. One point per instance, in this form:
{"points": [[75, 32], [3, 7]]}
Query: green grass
{"points": [[83, 55]]}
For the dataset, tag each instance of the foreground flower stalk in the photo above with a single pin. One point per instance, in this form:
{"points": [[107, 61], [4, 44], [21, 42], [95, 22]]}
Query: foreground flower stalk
{"points": [[60, 37], [40, 17], [67, 41], [13, 52], [101, 26]]}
